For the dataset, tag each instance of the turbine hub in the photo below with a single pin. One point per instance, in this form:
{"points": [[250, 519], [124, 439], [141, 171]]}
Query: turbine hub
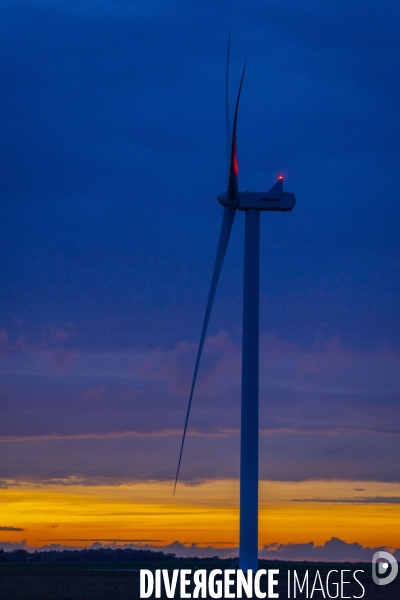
{"points": [[227, 202]]}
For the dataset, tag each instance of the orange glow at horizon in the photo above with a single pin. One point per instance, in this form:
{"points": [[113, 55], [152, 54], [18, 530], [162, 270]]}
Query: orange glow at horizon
{"points": [[206, 514]]}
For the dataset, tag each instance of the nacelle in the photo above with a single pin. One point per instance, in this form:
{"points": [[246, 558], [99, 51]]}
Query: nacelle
{"points": [[261, 201], [274, 199]]}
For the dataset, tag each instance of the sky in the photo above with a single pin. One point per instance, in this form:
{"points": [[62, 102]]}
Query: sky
{"points": [[113, 153]]}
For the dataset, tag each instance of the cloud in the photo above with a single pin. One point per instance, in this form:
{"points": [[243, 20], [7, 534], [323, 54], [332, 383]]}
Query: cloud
{"points": [[15, 348], [102, 540], [26, 347], [220, 365], [332, 550], [365, 500], [62, 333], [328, 365], [3, 341], [62, 359], [326, 357], [88, 460], [134, 406], [313, 424], [97, 393], [176, 547], [10, 546], [6, 528]]}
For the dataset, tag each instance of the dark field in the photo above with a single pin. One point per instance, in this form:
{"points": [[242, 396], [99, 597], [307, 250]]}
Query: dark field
{"points": [[111, 581]]}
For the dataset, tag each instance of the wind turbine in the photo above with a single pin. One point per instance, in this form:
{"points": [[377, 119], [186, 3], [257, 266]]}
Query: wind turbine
{"points": [[252, 203]]}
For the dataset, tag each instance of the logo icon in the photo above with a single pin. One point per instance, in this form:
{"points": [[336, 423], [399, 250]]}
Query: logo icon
{"points": [[380, 566]]}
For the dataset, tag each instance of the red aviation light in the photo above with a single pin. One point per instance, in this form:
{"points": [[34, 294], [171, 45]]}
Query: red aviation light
{"points": [[280, 177]]}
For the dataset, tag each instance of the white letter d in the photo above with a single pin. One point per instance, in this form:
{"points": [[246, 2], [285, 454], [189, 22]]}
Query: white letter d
{"points": [[146, 574]]}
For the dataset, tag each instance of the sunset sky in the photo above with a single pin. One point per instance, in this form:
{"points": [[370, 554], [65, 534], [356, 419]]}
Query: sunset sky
{"points": [[113, 153]]}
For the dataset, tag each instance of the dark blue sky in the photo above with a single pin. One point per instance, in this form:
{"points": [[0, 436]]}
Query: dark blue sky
{"points": [[113, 152]]}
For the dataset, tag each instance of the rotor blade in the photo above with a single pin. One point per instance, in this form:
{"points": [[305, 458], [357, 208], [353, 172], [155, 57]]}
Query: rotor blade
{"points": [[226, 227], [232, 191], [227, 118]]}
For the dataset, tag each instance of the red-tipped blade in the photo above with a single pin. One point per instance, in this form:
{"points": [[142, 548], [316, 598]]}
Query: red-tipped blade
{"points": [[233, 190], [227, 117]]}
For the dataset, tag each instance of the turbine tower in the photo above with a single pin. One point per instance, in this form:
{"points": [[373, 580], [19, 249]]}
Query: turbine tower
{"points": [[252, 203]]}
